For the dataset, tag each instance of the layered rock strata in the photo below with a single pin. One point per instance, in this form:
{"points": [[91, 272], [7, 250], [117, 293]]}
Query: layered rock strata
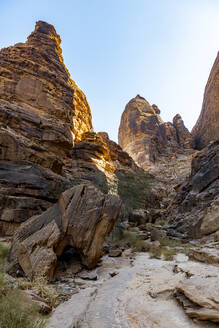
{"points": [[206, 129], [39, 119], [81, 219], [47, 143], [200, 298]]}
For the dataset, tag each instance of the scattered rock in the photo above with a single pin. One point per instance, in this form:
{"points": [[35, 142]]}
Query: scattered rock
{"points": [[180, 257], [89, 277], [115, 252], [157, 234], [113, 274]]}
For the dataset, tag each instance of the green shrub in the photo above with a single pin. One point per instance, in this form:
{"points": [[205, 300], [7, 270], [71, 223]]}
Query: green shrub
{"points": [[160, 222], [171, 242], [134, 229], [133, 187], [4, 252], [14, 313], [125, 238], [168, 253]]}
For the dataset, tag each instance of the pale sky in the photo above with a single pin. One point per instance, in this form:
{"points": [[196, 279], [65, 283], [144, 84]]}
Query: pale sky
{"points": [[116, 49]]}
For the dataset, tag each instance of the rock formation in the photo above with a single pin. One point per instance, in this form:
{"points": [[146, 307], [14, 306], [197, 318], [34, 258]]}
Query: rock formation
{"points": [[195, 210], [39, 119], [184, 137], [146, 138], [161, 148], [81, 219], [206, 129], [47, 143]]}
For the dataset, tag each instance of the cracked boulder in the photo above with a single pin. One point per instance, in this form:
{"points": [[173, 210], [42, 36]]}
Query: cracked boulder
{"points": [[81, 219]]}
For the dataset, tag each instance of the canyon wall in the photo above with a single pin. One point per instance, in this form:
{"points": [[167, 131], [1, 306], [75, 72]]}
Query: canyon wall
{"points": [[206, 128]]}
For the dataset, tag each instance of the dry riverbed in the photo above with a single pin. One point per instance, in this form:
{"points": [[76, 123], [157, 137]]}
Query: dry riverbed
{"points": [[142, 292]]}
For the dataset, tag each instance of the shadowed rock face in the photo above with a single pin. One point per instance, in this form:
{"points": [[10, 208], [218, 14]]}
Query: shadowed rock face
{"points": [[206, 128], [81, 218], [26, 189], [146, 138], [195, 210]]}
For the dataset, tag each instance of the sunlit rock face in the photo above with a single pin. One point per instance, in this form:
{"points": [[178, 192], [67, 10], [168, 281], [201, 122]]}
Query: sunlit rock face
{"points": [[206, 129], [33, 76], [148, 139]]}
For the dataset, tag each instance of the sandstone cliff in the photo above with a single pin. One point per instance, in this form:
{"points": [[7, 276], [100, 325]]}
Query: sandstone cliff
{"points": [[47, 143], [206, 128]]}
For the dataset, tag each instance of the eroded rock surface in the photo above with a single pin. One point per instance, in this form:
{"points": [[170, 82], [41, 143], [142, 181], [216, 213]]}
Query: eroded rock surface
{"points": [[200, 298], [206, 129], [139, 295], [81, 219]]}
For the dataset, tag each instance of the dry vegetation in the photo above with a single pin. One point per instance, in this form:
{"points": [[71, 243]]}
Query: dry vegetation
{"points": [[15, 312]]}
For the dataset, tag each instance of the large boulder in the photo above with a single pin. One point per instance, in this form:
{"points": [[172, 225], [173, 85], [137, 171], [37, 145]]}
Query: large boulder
{"points": [[81, 219]]}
